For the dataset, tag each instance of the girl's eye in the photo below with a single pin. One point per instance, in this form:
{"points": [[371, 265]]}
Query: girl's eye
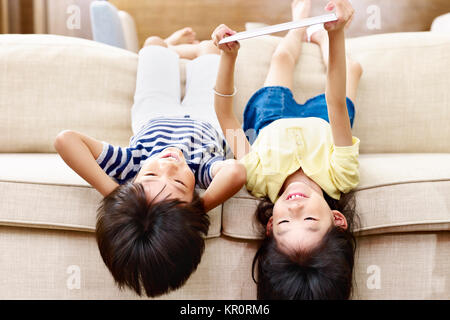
{"points": [[283, 221], [310, 218], [150, 174]]}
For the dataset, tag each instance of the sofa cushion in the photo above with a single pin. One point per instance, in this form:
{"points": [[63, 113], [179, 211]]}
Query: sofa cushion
{"points": [[402, 101], [397, 193], [50, 83], [41, 191], [53, 74]]}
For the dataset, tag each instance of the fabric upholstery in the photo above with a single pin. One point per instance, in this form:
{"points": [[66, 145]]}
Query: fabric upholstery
{"points": [[44, 182], [397, 192], [50, 83], [402, 266], [110, 89], [63, 207], [57, 264], [47, 213], [388, 120]]}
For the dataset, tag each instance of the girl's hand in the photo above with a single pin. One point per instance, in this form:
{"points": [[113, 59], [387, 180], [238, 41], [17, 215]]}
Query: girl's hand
{"points": [[344, 13], [221, 32]]}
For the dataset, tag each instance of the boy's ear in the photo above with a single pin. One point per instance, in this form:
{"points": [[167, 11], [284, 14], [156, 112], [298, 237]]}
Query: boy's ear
{"points": [[339, 219], [269, 226]]}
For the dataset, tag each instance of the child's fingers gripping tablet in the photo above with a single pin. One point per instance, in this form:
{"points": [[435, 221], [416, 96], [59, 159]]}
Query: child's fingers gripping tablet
{"points": [[221, 32], [344, 12]]}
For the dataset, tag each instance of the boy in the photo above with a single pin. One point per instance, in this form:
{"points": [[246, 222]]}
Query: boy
{"points": [[151, 223]]}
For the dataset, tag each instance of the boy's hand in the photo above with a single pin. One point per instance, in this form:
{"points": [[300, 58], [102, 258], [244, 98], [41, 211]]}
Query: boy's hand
{"points": [[221, 32], [344, 13]]}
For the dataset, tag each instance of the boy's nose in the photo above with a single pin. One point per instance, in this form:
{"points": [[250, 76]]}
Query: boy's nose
{"points": [[169, 167]]}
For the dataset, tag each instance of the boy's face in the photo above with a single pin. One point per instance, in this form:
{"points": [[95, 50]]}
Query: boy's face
{"points": [[167, 176]]}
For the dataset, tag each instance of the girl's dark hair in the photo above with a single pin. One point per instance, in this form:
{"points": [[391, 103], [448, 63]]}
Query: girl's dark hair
{"points": [[151, 245], [323, 273]]}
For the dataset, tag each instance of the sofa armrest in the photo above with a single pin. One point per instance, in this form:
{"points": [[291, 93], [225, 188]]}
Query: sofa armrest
{"points": [[129, 31]]}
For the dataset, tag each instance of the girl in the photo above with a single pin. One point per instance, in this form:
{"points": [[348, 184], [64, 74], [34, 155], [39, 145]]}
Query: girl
{"points": [[303, 158]]}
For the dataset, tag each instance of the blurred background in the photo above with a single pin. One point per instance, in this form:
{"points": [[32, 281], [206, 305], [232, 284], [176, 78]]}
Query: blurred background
{"points": [[162, 17]]}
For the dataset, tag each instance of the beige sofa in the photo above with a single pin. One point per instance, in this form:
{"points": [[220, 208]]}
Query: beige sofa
{"points": [[47, 213]]}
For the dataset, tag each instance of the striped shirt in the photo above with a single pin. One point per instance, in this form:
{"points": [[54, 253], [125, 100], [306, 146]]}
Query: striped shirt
{"points": [[200, 143]]}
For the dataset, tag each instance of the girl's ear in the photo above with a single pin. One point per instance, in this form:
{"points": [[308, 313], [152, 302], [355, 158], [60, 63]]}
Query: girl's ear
{"points": [[269, 226], [339, 219]]}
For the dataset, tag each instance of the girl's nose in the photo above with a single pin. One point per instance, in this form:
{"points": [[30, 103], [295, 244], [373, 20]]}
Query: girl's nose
{"points": [[295, 208]]}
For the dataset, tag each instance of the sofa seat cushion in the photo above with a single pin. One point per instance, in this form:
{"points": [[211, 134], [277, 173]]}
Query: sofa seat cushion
{"points": [[41, 191], [397, 193]]}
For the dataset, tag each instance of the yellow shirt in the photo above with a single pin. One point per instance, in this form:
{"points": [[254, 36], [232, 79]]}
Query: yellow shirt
{"points": [[286, 145]]}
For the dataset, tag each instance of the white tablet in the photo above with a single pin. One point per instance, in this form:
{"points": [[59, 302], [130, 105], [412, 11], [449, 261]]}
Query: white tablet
{"points": [[280, 27]]}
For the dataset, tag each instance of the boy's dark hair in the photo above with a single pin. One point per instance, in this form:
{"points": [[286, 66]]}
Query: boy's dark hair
{"points": [[323, 273], [150, 246]]}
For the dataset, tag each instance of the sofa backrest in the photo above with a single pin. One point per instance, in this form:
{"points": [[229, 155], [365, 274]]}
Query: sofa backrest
{"points": [[50, 83], [403, 101]]}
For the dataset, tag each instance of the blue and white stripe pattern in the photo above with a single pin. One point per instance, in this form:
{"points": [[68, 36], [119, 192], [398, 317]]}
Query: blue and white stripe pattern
{"points": [[200, 143]]}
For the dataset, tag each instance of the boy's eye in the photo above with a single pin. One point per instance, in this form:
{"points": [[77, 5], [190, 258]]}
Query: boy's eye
{"points": [[180, 182], [283, 221], [150, 174]]}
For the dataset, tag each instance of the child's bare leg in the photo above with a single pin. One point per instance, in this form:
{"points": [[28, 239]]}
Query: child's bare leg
{"points": [[285, 57], [155, 41], [185, 50], [182, 36], [182, 41], [192, 51], [354, 73], [354, 69]]}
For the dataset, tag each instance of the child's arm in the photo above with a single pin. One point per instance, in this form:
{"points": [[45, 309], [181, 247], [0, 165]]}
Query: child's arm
{"points": [[80, 153], [229, 176], [230, 125], [336, 77]]}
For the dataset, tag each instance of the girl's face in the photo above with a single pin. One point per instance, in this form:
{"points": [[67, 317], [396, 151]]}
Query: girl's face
{"points": [[301, 216]]}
